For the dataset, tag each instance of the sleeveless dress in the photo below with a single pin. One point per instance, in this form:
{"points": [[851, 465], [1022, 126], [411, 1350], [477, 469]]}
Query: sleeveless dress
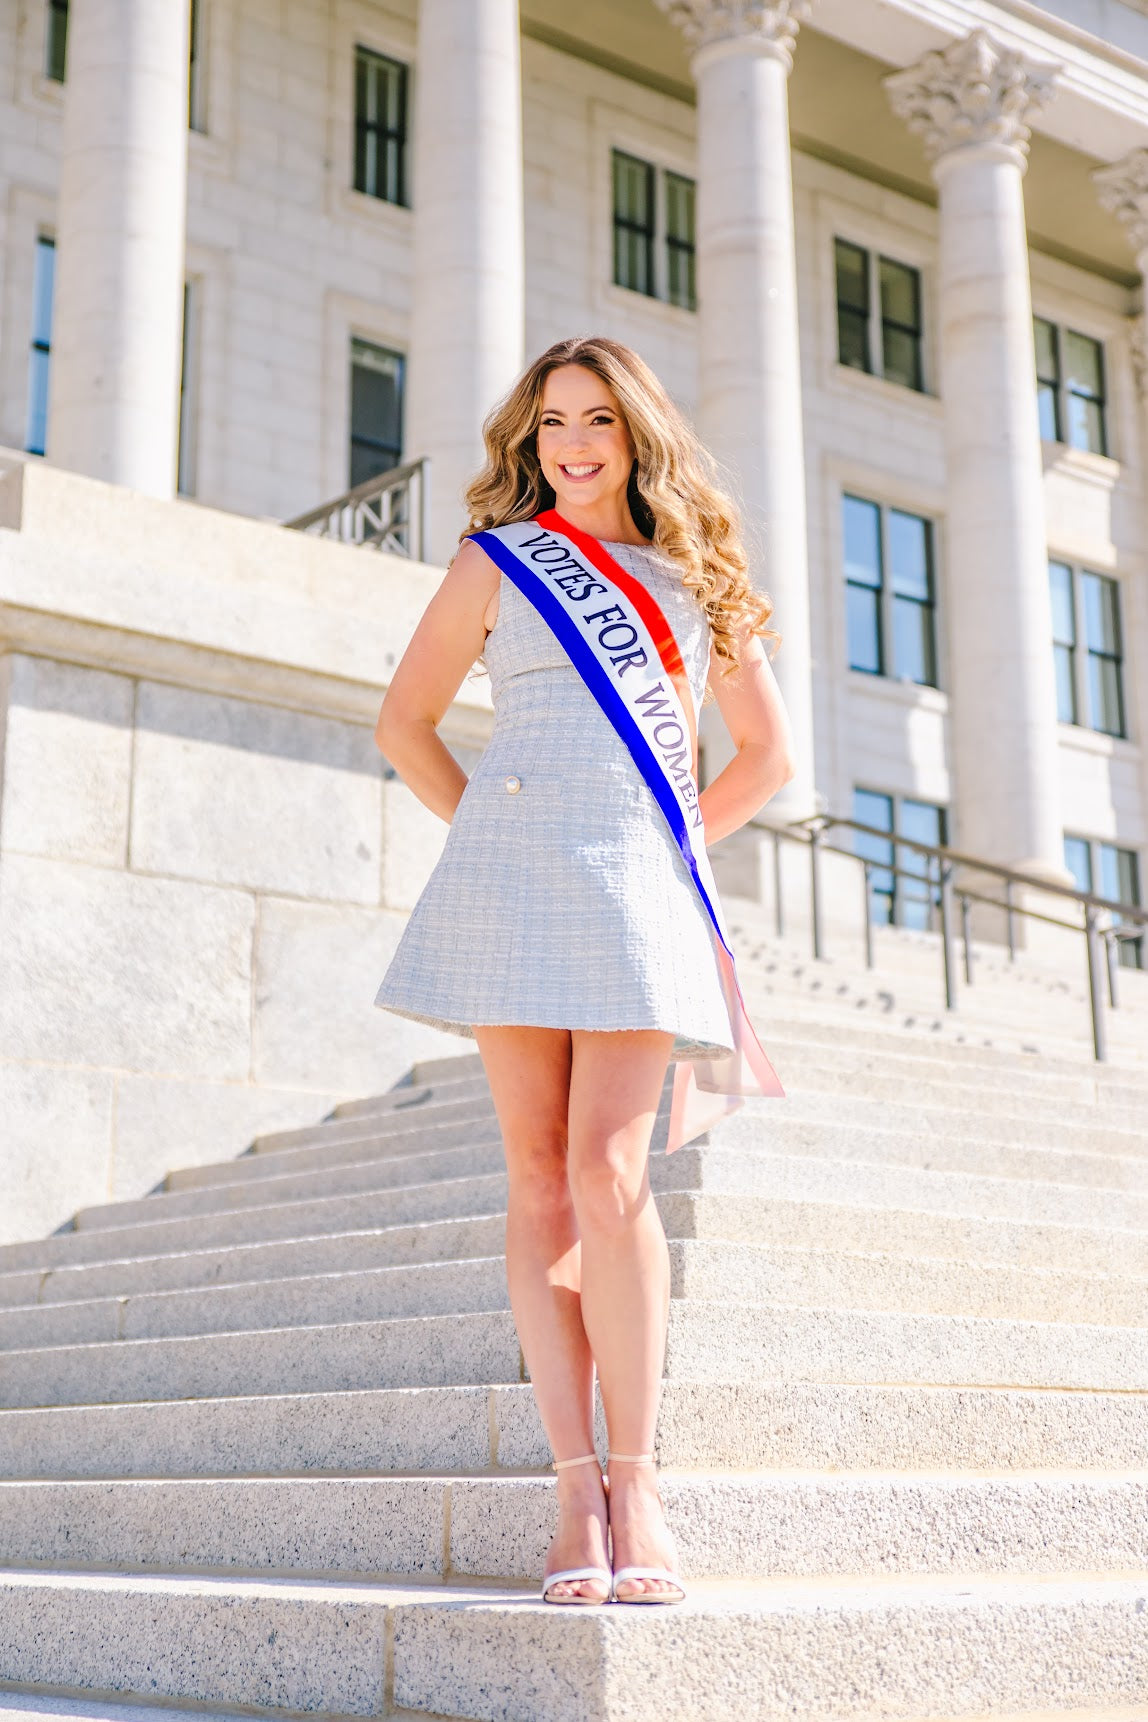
{"points": [[564, 903]]}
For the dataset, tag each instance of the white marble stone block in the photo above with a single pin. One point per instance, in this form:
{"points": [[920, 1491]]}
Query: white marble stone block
{"points": [[317, 970], [55, 1138], [107, 968], [413, 837], [237, 793], [66, 767]]}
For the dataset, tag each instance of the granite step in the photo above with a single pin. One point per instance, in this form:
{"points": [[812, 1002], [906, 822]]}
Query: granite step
{"points": [[976, 1151], [750, 1526], [706, 1342], [387, 1246], [123, 1260], [733, 1273], [442, 1185], [943, 1645], [736, 1426]]}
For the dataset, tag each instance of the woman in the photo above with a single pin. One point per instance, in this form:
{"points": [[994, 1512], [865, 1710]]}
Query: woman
{"points": [[562, 927]]}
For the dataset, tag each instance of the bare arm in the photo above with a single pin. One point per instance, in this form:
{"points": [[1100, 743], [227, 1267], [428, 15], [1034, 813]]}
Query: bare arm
{"points": [[750, 703], [449, 637]]}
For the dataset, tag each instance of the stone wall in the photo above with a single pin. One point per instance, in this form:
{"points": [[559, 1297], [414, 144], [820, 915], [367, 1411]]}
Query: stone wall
{"points": [[200, 884]]}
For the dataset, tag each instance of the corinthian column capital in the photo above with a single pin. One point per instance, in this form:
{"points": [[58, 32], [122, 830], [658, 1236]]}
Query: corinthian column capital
{"points": [[1123, 190], [972, 92], [765, 25]]}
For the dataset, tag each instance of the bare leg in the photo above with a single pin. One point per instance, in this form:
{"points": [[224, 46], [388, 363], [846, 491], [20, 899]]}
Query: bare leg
{"points": [[615, 1083], [529, 1074]]}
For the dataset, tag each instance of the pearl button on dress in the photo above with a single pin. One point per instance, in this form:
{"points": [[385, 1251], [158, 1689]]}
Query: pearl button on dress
{"points": [[513, 785]]}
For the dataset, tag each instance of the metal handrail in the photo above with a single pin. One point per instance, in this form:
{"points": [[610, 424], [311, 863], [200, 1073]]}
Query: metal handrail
{"points": [[943, 861], [387, 512]]}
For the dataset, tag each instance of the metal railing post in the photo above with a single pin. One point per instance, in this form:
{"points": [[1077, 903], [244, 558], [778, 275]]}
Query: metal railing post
{"points": [[778, 912], [815, 887], [1010, 918], [1112, 953], [947, 935], [1092, 940], [867, 872], [965, 937]]}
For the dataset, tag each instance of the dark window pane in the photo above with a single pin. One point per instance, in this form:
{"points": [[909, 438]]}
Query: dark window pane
{"points": [[56, 40], [900, 322], [680, 250], [861, 521], [36, 428], [1101, 612], [1085, 424], [1060, 591], [1105, 694], [1084, 383], [853, 340], [872, 808], [1083, 370], [376, 410], [902, 356], [913, 654], [1065, 684], [1078, 860], [853, 306], [1120, 880], [633, 223], [380, 126], [925, 822], [852, 277], [863, 627], [909, 554], [1048, 412], [900, 294], [1047, 350]]}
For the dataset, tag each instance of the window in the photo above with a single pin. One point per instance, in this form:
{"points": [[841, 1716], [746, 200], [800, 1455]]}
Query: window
{"points": [[188, 363], [1063, 640], [654, 231], [380, 126], [195, 69], [1115, 874], [376, 410], [890, 591], [878, 315], [1089, 685], [901, 901], [43, 279], [1070, 387], [56, 40], [681, 249]]}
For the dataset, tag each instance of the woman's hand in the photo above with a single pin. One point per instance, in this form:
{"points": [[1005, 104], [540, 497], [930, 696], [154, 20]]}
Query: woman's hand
{"points": [[750, 703], [449, 637]]}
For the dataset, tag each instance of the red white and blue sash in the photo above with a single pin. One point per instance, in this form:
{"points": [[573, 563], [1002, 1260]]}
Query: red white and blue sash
{"points": [[622, 646]]}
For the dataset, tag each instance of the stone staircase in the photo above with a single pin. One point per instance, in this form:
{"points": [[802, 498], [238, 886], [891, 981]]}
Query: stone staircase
{"points": [[267, 1447]]}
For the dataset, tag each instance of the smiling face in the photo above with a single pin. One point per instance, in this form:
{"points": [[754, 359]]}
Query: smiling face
{"points": [[584, 445]]}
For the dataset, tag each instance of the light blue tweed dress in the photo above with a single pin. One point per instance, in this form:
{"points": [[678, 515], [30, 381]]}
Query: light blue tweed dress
{"points": [[566, 904]]}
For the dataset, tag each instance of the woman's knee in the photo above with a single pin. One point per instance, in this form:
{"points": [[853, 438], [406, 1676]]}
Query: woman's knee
{"points": [[608, 1184], [536, 1167]]}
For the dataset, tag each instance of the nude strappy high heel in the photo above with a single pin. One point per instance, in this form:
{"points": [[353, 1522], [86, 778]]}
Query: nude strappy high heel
{"points": [[573, 1574], [623, 1573]]}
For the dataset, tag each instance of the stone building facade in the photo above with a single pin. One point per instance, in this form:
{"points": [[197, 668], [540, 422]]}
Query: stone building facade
{"points": [[886, 252]]}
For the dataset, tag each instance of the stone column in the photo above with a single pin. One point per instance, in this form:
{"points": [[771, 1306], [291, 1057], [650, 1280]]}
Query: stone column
{"points": [[749, 361], [970, 103], [118, 314], [467, 288], [1123, 190]]}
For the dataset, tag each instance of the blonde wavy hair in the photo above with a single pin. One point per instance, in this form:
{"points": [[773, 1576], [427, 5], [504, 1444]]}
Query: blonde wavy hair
{"points": [[673, 496]]}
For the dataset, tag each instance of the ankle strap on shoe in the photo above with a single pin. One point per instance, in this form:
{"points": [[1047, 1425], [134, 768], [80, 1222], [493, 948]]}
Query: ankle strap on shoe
{"points": [[582, 1459], [632, 1458]]}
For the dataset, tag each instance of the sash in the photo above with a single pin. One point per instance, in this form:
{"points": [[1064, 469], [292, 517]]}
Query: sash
{"points": [[622, 646]]}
